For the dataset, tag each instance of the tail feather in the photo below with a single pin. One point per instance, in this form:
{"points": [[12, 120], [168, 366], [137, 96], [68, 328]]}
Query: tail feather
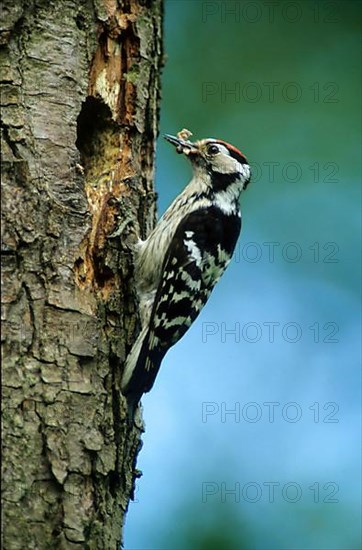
{"points": [[127, 381], [140, 370], [131, 361]]}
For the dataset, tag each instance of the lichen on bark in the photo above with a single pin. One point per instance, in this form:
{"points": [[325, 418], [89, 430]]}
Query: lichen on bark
{"points": [[80, 93]]}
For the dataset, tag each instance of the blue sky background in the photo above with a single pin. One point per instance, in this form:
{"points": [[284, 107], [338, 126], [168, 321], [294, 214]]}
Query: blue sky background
{"points": [[283, 85]]}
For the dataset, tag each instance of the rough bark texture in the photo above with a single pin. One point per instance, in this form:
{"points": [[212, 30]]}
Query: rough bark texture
{"points": [[80, 90]]}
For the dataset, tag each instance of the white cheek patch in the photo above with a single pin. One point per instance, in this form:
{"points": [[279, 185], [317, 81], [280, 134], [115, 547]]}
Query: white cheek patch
{"points": [[224, 164], [236, 167]]}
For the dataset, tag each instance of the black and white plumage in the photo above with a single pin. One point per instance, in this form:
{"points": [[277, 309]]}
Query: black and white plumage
{"points": [[183, 258]]}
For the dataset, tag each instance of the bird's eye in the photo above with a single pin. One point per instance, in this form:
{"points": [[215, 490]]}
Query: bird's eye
{"points": [[212, 150]]}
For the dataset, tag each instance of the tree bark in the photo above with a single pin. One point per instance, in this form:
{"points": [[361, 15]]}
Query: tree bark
{"points": [[80, 92]]}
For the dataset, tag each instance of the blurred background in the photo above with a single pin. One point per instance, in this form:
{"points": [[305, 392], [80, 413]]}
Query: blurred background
{"points": [[253, 426]]}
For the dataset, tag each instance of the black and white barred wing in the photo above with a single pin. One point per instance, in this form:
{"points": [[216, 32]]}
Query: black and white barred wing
{"points": [[196, 258]]}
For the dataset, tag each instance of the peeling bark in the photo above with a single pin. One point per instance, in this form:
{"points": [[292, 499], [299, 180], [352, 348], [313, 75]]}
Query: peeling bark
{"points": [[80, 92]]}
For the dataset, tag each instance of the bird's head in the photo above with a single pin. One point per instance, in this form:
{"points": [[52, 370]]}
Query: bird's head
{"points": [[222, 161]]}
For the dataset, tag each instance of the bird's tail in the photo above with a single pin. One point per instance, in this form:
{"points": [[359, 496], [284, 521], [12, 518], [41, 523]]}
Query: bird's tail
{"points": [[131, 362], [132, 383], [140, 370]]}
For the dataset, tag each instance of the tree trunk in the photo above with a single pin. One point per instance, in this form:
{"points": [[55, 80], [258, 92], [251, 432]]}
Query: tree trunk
{"points": [[80, 91]]}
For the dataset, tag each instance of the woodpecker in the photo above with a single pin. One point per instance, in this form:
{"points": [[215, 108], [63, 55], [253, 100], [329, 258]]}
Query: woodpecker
{"points": [[183, 258]]}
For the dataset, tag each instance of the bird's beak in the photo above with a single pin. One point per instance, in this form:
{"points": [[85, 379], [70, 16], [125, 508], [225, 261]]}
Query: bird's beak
{"points": [[181, 145]]}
